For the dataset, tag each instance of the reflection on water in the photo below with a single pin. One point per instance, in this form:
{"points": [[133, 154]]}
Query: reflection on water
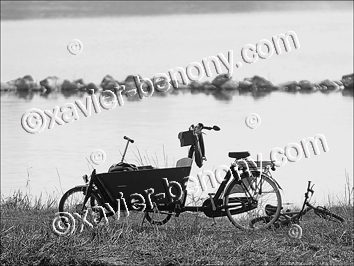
{"points": [[221, 95], [154, 123]]}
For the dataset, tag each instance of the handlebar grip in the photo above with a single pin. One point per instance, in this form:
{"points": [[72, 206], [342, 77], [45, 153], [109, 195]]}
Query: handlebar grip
{"points": [[129, 139], [216, 128]]}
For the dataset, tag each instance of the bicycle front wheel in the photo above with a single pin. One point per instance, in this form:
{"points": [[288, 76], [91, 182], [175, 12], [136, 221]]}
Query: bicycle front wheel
{"points": [[72, 202], [326, 214], [246, 203]]}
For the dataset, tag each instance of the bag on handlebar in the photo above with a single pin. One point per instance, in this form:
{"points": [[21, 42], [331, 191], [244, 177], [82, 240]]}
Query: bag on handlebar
{"points": [[186, 138]]}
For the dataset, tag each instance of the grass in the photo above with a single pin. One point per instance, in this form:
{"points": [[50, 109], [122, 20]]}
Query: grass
{"points": [[145, 160], [191, 239]]}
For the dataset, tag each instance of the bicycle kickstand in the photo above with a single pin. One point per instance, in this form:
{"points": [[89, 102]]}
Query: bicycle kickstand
{"points": [[214, 222]]}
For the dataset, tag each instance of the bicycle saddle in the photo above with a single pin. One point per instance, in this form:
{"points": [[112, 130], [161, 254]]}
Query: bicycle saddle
{"points": [[239, 155]]}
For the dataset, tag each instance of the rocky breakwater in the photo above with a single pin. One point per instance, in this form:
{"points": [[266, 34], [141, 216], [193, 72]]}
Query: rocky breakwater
{"points": [[221, 87]]}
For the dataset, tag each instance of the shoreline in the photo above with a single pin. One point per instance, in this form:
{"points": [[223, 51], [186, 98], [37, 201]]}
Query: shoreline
{"points": [[223, 84]]}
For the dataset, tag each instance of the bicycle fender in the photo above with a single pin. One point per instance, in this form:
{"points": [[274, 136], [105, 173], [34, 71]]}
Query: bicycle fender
{"points": [[271, 178], [83, 187]]}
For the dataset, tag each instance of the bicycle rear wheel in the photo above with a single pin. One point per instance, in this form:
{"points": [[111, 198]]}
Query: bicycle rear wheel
{"points": [[240, 207], [326, 214]]}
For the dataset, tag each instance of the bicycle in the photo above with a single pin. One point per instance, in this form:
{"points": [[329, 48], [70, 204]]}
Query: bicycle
{"points": [[241, 198], [292, 218]]}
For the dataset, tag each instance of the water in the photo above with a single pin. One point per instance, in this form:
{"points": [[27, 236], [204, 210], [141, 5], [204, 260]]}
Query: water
{"points": [[154, 124], [149, 45]]}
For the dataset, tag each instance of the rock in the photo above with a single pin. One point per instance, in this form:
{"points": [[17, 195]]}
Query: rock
{"points": [[229, 85], [130, 86], [307, 85], [340, 84], [160, 81], [52, 83], [290, 86], [260, 83], [195, 86], [109, 83], [130, 82], [7, 86], [328, 85], [181, 86], [28, 78], [347, 81], [80, 84], [38, 87], [92, 86], [25, 83], [220, 79], [69, 86], [347, 93], [131, 78], [245, 85], [207, 86]]}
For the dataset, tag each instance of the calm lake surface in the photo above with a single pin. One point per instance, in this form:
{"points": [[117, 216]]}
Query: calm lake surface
{"points": [[149, 45], [154, 124]]}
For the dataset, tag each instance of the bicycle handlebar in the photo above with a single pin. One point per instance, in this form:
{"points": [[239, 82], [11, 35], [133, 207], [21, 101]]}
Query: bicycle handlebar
{"points": [[201, 126], [216, 128], [309, 188], [129, 139], [308, 185]]}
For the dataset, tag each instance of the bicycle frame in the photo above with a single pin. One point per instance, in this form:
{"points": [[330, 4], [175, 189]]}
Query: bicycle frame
{"points": [[296, 216], [99, 189]]}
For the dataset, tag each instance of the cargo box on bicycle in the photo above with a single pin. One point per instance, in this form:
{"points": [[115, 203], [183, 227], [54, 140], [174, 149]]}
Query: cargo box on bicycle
{"points": [[144, 182]]}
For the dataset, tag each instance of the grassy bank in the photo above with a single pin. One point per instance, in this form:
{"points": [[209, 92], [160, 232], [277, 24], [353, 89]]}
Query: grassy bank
{"points": [[192, 239]]}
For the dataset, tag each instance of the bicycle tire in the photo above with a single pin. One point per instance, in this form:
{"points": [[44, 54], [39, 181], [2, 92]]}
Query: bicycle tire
{"points": [[277, 224], [94, 200], [155, 221], [243, 219], [261, 219], [326, 214]]}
